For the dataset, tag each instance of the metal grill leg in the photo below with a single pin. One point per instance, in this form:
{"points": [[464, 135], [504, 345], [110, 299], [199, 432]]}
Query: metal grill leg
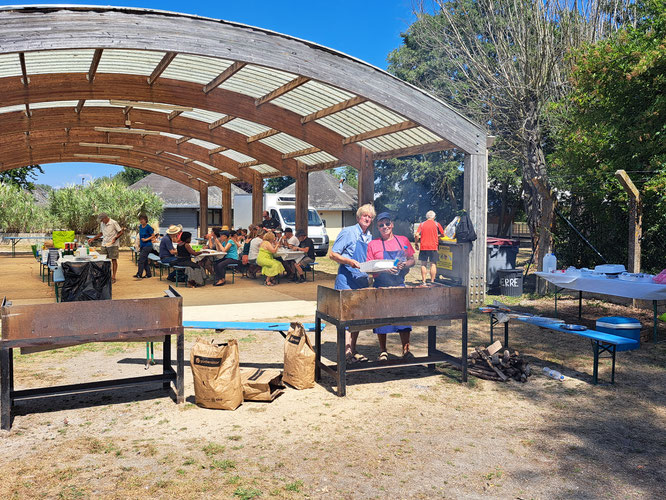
{"points": [[317, 348], [5, 389], [463, 359], [180, 368], [342, 367], [506, 334], [166, 360], [595, 370], [432, 344], [613, 349], [492, 316]]}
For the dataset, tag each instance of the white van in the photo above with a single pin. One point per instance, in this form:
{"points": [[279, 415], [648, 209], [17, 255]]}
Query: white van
{"points": [[283, 209]]}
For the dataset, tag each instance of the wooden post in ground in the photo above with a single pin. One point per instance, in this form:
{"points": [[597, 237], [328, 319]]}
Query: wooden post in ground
{"points": [[226, 203], [301, 198], [635, 221], [203, 209], [366, 178], [257, 198], [475, 189]]}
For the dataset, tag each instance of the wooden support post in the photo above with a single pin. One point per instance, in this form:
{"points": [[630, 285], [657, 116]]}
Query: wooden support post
{"points": [[257, 198], [635, 221], [226, 203], [476, 204], [366, 178], [301, 198], [203, 209]]}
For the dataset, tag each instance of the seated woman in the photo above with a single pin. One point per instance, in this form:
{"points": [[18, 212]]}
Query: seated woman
{"points": [[253, 252], [184, 252], [225, 244], [270, 267]]}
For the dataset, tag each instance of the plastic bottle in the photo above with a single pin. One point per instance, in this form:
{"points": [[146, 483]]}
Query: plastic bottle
{"points": [[87, 248], [402, 256], [549, 263], [553, 373]]}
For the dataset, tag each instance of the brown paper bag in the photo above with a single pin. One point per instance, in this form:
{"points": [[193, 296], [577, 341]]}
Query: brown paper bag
{"points": [[261, 385], [299, 358], [216, 371]]}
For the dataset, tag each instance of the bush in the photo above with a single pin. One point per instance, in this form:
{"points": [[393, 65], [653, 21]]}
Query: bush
{"points": [[19, 213]]}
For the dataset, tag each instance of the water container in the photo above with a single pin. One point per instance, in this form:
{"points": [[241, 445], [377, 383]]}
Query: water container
{"points": [[549, 263], [553, 373]]}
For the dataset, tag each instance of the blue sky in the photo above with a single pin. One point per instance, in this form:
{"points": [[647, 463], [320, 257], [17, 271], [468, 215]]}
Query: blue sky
{"points": [[366, 29]]}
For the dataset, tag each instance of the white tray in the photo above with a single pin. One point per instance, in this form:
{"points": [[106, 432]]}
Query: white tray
{"points": [[376, 266]]}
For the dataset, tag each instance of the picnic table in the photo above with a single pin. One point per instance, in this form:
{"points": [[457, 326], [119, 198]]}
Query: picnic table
{"points": [[607, 286], [15, 239]]}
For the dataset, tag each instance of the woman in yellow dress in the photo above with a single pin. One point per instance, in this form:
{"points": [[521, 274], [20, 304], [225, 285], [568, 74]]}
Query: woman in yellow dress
{"points": [[269, 266]]}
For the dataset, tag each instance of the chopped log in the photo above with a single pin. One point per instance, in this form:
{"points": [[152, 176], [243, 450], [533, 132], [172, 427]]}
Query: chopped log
{"points": [[486, 358], [494, 347]]}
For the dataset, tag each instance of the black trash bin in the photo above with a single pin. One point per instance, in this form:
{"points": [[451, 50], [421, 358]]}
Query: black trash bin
{"points": [[502, 254], [511, 282]]}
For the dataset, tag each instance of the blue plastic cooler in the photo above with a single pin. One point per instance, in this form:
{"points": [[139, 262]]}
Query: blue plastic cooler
{"points": [[622, 327]]}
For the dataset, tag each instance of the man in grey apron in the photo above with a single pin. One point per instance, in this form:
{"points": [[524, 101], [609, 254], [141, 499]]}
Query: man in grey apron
{"points": [[349, 250]]}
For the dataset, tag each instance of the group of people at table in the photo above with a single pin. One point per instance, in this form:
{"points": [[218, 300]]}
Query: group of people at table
{"points": [[257, 247]]}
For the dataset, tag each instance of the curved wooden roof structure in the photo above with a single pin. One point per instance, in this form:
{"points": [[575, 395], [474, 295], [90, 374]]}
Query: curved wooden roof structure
{"points": [[208, 102]]}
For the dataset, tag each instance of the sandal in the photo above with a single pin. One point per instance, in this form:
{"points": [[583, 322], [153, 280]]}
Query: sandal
{"points": [[383, 356], [407, 356], [359, 358], [349, 358]]}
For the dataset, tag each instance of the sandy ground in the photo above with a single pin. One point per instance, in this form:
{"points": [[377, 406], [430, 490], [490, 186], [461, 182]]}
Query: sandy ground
{"points": [[407, 433]]}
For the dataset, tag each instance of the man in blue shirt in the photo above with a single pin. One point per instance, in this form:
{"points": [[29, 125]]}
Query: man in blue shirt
{"points": [[167, 250], [349, 250], [146, 238]]}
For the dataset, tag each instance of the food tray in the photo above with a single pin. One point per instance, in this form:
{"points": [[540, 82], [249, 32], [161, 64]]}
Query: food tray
{"points": [[574, 328], [376, 266]]}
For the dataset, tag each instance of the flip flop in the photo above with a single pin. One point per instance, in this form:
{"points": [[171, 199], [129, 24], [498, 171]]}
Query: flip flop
{"points": [[383, 356], [358, 357], [407, 356], [349, 358]]}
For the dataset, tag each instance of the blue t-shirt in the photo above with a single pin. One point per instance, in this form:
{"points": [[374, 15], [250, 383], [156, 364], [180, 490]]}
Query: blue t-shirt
{"points": [[345, 243], [145, 232], [233, 251], [166, 245]]}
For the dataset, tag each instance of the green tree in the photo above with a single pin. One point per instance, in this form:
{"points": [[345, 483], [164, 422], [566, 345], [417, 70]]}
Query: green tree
{"points": [[129, 175], [276, 184], [23, 177], [349, 174], [19, 213], [615, 118]]}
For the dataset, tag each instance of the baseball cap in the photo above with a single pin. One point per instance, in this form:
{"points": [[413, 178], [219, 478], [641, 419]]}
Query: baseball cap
{"points": [[384, 215]]}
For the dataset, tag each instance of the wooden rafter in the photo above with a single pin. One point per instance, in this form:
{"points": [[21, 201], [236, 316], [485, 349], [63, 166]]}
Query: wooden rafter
{"points": [[220, 122], [149, 105], [322, 166], [222, 77], [104, 145], [161, 66], [187, 161], [263, 135], [247, 164], [287, 87], [96, 157], [371, 134], [301, 152], [414, 150], [79, 106], [27, 110], [181, 140], [94, 64], [122, 130], [24, 71], [174, 114], [341, 106], [218, 149]]}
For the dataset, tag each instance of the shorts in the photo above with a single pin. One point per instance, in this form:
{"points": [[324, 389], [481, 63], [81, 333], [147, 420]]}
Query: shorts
{"points": [[305, 261], [111, 252], [426, 256]]}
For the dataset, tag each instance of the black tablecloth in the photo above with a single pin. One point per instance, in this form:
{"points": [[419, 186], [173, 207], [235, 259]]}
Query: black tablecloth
{"points": [[86, 281]]}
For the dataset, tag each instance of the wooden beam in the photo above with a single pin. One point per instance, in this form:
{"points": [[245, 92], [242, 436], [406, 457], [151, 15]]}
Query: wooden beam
{"points": [[287, 87], [149, 105], [220, 122], [222, 77], [218, 149], [203, 210], [349, 103], [226, 202], [414, 150], [323, 166], [257, 198], [174, 114], [366, 178], [24, 80], [181, 140], [301, 152], [79, 106], [122, 130], [263, 135], [391, 129], [161, 66], [247, 164], [104, 145], [94, 64], [187, 161], [97, 157], [27, 110], [635, 221], [301, 198]]}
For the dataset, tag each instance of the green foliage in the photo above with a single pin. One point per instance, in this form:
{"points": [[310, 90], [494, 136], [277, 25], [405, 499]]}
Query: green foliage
{"points": [[275, 184], [615, 118], [76, 207], [130, 175], [19, 213], [349, 174], [22, 177]]}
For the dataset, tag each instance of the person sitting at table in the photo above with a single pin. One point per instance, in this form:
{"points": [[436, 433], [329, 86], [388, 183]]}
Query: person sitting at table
{"points": [[167, 244], [290, 241], [305, 245], [225, 243], [146, 238], [253, 252], [194, 272], [396, 248], [270, 267]]}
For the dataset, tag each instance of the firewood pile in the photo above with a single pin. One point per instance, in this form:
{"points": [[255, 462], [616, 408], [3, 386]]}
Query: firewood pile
{"points": [[493, 363]]}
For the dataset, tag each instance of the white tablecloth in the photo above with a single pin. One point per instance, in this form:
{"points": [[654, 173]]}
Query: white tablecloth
{"points": [[285, 254], [609, 286], [208, 254]]}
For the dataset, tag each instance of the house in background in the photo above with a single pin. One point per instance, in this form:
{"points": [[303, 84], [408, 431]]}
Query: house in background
{"points": [[334, 200], [181, 203]]}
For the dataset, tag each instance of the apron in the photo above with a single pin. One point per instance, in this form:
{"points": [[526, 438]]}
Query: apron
{"points": [[350, 278], [387, 279]]}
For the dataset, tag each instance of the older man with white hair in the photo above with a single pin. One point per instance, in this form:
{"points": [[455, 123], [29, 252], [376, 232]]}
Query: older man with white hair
{"points": [[427, 240]]}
